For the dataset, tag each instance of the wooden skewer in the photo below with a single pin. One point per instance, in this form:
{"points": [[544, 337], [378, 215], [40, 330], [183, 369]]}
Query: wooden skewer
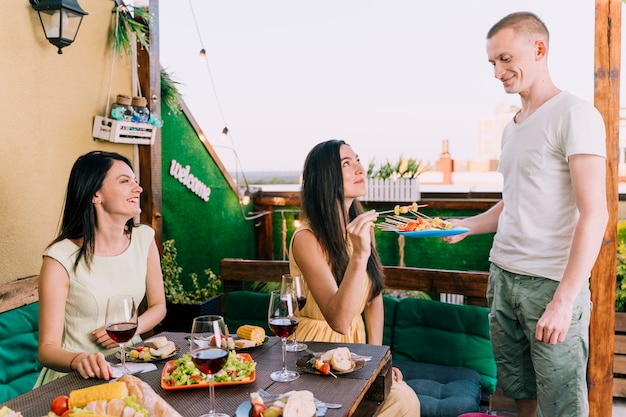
{"points": [[393, 210]]}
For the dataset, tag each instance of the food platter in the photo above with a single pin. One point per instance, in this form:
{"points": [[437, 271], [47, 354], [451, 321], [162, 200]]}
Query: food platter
{"points": [[305, 365], [127, 350], [434, 232], [203, 384]]}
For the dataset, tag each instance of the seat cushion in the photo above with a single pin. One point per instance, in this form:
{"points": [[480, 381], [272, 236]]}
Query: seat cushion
{"points": [[443, 391], [445, 334], [18, 351], [246, 307]]}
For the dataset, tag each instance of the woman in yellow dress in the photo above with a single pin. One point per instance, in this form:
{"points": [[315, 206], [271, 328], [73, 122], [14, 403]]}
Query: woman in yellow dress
{"points": [[334, 251]]}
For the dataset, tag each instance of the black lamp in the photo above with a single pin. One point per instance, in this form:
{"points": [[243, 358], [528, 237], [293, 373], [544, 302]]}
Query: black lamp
{"points": [[60, 20]]}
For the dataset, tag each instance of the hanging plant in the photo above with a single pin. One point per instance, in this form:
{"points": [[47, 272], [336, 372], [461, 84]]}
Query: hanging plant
{"points": [[170, 95], [127, 25]]}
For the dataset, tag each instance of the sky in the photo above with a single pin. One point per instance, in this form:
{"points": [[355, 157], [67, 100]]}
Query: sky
{"points": [[390, 77]]}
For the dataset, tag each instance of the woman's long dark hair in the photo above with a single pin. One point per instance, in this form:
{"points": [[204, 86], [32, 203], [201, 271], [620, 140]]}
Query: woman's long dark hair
{"points": [[79, 216], [322, 206]]}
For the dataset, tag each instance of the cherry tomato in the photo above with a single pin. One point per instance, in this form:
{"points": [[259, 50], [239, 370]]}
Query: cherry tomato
{"points": [[59, 405]]}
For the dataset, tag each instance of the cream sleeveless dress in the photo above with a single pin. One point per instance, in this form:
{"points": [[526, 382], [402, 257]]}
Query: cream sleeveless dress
{"points": [[89, 290], [402, 400]]}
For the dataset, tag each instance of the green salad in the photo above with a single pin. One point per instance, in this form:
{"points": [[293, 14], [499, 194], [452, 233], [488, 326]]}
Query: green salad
{"points": [[183, 372]]}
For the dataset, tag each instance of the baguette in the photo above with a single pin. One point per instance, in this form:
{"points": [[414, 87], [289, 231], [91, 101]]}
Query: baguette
{"points": [[148, 398]]}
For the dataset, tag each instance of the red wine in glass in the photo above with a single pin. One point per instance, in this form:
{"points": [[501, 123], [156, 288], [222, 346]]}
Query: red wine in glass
{"points": [[209, 360], [301, 302], [283, 327], [121, 332], [120, 322], [283, 317]]}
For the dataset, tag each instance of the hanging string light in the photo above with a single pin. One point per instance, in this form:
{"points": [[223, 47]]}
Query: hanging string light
{"points": [[245, 192]]}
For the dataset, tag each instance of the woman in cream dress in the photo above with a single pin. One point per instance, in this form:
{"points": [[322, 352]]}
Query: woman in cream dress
{"points": [[334, 251], [99, 252]]}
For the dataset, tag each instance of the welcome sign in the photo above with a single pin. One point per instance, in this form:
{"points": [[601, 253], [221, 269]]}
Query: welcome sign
{"points": [[185, 177]]}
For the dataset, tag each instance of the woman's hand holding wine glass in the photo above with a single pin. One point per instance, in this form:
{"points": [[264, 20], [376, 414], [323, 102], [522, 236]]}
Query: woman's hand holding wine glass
{"points": [[283, 318], [297, 284], [121, 322], [209, 351]]}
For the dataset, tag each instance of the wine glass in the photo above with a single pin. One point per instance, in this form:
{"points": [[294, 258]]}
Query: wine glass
{"points": [[298, 285], [209, 351], [121, 322], [282, 317]]}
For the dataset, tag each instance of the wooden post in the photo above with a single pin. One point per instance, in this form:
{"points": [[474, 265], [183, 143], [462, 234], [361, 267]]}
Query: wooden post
{"points": [[603, 275], [149, 74]]}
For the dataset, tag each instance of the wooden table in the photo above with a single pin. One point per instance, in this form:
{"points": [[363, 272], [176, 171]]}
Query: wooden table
{"points": [[360, 392]]}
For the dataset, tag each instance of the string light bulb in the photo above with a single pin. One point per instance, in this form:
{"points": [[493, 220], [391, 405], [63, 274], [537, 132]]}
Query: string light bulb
{"points": [[245, 199], [225, 131], [296, 219], [202, 54]]}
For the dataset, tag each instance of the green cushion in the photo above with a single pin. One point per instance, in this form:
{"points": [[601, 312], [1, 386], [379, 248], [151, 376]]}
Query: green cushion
{"points": [[246, 307], [19, 329], [445, 334], [390, 305]]}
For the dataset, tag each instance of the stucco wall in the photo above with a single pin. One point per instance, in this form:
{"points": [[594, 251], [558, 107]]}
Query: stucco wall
{"points": [[46, 112]]}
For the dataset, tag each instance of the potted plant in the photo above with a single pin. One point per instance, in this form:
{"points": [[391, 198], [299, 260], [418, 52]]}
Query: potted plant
{"points": [[398, 182], [186, 302]]}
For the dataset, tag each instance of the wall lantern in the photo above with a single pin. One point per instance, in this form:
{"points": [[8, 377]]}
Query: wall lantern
{"points": [[60, 20]]}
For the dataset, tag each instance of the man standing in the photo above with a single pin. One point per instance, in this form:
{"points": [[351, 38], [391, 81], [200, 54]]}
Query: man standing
{"points": [[549, 227]]}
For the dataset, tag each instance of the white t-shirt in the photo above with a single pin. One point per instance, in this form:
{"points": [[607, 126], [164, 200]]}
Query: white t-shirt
{"points": [[536, 227]]}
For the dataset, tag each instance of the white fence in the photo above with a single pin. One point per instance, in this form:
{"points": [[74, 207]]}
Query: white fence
{"points": [[400, 190]]}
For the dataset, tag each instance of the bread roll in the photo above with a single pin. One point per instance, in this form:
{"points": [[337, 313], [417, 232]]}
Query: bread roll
{"points": [[156, 342], [163, 351], [341, 360], [150, 400], [300, 404], [115, 407]]}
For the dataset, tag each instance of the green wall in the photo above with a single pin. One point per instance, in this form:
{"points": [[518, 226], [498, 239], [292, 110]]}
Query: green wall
{"points": [[204, 231]]}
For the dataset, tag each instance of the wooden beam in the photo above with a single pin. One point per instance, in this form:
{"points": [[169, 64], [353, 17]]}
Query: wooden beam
{"points": [[234, 272], [607, 101], [18, 293]]}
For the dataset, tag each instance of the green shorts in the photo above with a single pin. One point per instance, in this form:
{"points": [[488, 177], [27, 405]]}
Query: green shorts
{"points": [[555, 375]]}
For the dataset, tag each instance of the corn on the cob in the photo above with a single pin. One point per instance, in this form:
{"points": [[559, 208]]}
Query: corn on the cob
{"points": [[250, 332], [82, 397]]}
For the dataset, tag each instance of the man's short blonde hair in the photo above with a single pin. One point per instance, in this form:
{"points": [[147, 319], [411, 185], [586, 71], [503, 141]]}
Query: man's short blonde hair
{"points": [[521, 22]]}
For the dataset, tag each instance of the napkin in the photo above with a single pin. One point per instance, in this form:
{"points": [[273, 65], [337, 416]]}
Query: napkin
{"points": [[133, 368]]}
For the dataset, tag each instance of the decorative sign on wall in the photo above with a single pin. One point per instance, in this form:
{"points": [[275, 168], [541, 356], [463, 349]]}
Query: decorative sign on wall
{"points": [[184, 176]]}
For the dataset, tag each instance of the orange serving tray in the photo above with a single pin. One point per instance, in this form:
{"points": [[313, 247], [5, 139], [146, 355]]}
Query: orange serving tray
{"points": [[246, 357]]}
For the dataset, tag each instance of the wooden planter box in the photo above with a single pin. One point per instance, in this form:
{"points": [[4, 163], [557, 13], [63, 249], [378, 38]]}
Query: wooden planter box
{"points": [[179, 317], [123, 132], [399, 191]]}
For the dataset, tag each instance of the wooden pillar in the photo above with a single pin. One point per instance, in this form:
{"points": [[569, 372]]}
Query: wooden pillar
{"points": [[149, 74], [603, 275]]}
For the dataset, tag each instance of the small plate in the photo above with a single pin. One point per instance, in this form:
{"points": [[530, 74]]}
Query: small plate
{"points": [[246, 357], [127, 349], [244, 409], [304, 365], [234, 336], [434, 232]]}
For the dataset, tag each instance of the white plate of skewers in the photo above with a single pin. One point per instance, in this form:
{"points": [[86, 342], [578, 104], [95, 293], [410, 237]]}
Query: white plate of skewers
{"points": [[410, 222]]}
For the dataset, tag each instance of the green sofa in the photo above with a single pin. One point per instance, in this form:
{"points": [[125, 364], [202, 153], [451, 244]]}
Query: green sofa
{"points": [[18, 351], [443, 350]]}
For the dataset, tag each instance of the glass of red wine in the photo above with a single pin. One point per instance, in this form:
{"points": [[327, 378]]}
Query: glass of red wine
{"points": [[209, 351], [121, 322], [283, 317], [298, 285]]}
